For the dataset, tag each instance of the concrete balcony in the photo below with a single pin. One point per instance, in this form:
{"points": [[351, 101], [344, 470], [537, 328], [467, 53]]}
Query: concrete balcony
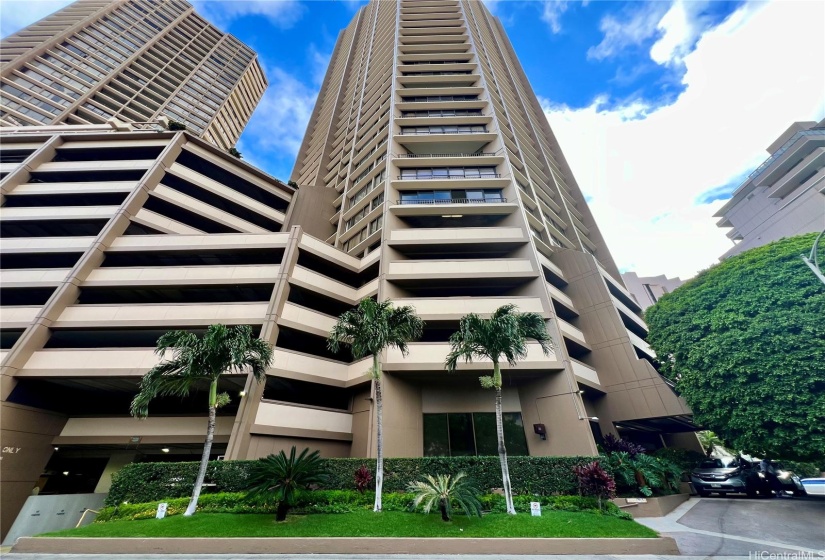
{"points": [[447, 47], [110, 165], [86, 362], [10, 245], [462, 235], [325, 285], [409, 161], [306, 320], [430, 356], [454, 308], [585, 374], [37, 213], [14, 317], [33, 278], [460, 142], [295, 418], [164, 276], [471, 181], [640, 343], [627, 312], [438, 81], [119, 430], [438, 28], [439, 120], [429, 270], [435, 66], [453, 207], [75, 188], [305, 367], [560, 296], [571, 332], [149, 315], [441, 104], [203, 242], [160, 222]]}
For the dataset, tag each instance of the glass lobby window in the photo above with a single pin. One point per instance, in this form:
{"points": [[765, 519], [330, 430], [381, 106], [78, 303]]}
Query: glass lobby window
{"points": [[463, 434]]}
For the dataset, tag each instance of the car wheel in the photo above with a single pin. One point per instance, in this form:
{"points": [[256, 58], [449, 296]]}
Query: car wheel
{"points": [[750, 493], [799, 493], [703, 493]]}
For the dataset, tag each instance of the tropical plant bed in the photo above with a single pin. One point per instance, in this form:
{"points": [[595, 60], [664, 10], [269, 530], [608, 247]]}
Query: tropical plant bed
{"points": [[552, 524]]}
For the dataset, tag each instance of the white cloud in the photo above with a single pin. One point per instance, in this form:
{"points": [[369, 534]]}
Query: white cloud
{"points": [[620, 34], [281, 13], [17, 14], [551, 13], [278, 124], [746, 81]]}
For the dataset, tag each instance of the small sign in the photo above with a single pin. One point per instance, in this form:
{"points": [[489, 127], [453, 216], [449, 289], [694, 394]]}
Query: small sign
{"points": [[161, 510], [535, 509], [636, 500]]}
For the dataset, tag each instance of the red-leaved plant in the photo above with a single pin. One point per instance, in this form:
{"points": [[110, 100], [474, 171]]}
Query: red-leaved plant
{"points": [[363, 477], [595, 481]]}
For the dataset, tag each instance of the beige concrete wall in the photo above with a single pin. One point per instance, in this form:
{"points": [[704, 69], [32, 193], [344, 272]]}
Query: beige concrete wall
{"points": [[403, 419], [552, 401], [261, 446], [117, 461]]}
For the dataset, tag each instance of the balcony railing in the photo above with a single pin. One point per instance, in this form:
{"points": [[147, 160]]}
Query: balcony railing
{"points": [[493, 200], [426, 62], [435, 73], [428, 133], [477, 154], [441, 177], [435, 113]]}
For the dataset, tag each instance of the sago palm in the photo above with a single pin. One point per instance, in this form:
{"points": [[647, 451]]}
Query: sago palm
{"points": [[283, 477], [503, 335], [444, 490], [368, 330], [202, 359]]}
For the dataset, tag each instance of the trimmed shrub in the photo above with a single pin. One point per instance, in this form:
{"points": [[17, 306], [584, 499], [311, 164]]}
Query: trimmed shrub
{"points": [[342, 501], [147, 482]]}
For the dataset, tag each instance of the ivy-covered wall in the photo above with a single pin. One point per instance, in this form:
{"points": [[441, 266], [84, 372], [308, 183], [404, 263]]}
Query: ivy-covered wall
{"points": [[745, 343]]}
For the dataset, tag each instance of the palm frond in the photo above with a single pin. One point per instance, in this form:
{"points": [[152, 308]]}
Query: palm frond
{"points": [[195, 358], [372, 326], [504, 334]]}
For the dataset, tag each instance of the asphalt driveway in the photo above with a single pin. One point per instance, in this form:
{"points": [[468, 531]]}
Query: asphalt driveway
{"points": [[748, 527]]}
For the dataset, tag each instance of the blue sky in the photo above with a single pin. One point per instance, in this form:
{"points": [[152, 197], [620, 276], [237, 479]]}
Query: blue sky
{"points": [[661, 107]]}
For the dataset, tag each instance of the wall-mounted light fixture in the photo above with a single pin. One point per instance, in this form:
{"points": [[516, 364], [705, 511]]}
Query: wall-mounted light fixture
{"points": [[541, 430]]}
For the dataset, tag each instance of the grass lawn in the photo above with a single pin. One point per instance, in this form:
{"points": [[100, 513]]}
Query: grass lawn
{"points": [[367, 524]]}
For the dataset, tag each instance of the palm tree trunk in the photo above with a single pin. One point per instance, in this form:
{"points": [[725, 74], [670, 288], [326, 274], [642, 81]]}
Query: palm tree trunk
{"points": [[379, 432], [207, 449], [502, 450]]}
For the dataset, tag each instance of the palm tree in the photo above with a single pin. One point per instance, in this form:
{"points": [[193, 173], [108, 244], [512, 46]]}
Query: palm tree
{"points": [[285, 476], [369, 329], [445, 489], [503, 334], [197, 359]]}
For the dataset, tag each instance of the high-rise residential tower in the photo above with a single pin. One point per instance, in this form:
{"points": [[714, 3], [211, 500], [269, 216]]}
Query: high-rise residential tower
{"points": [[133, 60], [782, 197], [433, 151]]}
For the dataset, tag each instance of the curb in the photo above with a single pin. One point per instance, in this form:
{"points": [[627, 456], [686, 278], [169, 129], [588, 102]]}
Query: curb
{"points": [[344, 545]]}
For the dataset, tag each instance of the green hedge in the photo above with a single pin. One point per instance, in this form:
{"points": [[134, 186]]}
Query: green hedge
{"points": [[147, 482], [343, 501]]}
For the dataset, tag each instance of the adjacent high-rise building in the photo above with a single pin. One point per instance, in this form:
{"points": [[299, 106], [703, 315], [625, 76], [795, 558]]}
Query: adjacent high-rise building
{"points": [[646, 290], [133, 60], [428, 176], [784, 196]]}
